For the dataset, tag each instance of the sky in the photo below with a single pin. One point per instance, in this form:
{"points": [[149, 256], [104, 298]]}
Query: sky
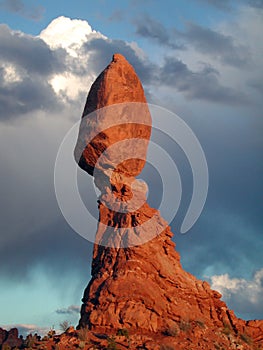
{"points": [[200, 59]]}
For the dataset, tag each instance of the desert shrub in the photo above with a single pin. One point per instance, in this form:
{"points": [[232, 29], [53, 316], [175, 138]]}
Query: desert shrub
{"points": [[246, 338], [83, 333], [111, 343], [184, 325], [123, 332], [200, 323], [226, 329], [64, 325], [171, 331], [82, 344]]}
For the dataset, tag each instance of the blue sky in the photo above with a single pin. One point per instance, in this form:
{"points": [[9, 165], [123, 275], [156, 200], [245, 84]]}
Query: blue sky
{"points": [[201, 59]]}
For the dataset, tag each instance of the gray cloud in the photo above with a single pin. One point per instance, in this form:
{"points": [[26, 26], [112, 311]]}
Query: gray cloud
{"points": [[26, 96], [31, 54], [227, 238], [101, 49], [148, 27], [218, 45], [53, 247], [174, 73], [205, 40], [33, 62], [256, 3], [72, 309], [220, 4], [198, 85], [19, 7], [226, 5], [33, 58], [242, 294], [257, 84]]}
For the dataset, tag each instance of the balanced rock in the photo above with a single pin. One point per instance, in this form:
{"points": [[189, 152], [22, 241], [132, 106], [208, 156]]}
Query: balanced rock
{"points": [[116, 123], [137, 281]]}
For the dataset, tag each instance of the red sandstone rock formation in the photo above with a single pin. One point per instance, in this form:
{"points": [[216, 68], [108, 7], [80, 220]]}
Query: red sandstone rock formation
{"points": [[143, 287], [9, 339], [115, 104]]}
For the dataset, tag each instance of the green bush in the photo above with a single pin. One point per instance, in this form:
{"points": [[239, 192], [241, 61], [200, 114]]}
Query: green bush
{"points": [[123, 332], [200, 323], [184, 325], [171, 331], [111, 343], [246, 338], [227, 329]]}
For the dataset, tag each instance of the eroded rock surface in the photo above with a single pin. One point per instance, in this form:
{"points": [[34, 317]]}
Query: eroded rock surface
{"points": [[137, 281]]}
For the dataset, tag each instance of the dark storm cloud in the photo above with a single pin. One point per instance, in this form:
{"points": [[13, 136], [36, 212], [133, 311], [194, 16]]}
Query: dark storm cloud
{"points": [[19, 7], [227, 237], [205, 40], [31, 94], [148, 27], [100, 50], [211, 42], [33, 62], [257, 84], [31, 54], [55, 248], [203, 85]]}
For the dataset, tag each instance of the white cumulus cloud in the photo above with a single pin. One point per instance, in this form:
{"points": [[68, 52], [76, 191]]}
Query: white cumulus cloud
{"points": [[244, 295], [68, 33]]}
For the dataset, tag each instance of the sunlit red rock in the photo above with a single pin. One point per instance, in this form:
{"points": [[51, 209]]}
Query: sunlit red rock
{"points": [[115, 112], [137, 281]]}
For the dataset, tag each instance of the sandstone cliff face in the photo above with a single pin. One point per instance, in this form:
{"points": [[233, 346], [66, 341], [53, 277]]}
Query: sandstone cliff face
{"points": [[137, 280]]}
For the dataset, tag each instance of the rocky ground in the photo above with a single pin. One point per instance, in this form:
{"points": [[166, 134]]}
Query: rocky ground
{"points": [[187, 335]]}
